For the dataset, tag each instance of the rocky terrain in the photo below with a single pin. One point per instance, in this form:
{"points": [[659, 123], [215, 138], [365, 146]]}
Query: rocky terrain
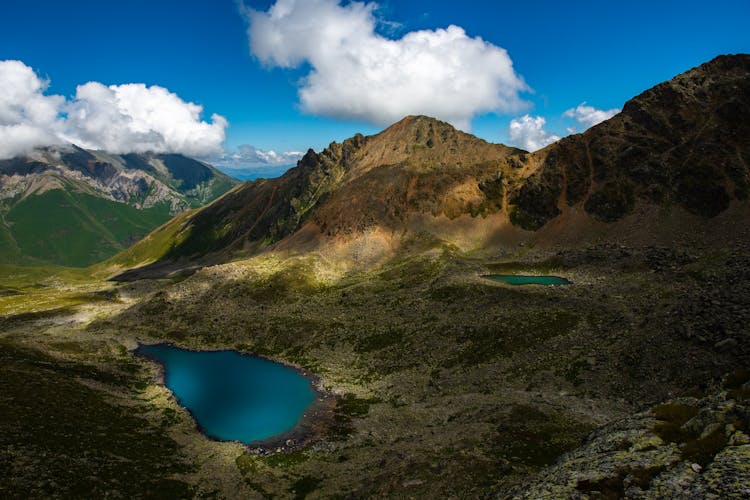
{"points": [[365, 264]]}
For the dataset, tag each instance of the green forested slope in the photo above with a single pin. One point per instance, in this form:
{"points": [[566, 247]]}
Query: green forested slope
{"points": [[70, 228]]}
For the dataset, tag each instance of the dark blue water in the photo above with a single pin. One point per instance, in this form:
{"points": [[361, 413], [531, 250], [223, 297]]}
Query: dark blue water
{"points": [[517, 279], [233, 397]]}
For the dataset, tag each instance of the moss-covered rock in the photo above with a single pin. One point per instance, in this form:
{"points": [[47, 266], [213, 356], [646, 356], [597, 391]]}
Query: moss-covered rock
{"points": [[676, 449]]}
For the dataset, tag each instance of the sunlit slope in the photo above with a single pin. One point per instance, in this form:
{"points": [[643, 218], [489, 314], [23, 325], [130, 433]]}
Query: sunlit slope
{"points": [[73, 228], [678, 149]]}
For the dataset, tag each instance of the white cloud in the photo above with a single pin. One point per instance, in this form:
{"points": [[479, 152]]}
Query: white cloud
{"points": [[135, 118], [528, 133], [359, 74], [250, 156], [119, 118], [589, 115], [28, 118]]}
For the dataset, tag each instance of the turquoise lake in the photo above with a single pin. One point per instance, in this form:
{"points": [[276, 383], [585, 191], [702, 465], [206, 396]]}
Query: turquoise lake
{"points": [[233, 396], [517, 279]]}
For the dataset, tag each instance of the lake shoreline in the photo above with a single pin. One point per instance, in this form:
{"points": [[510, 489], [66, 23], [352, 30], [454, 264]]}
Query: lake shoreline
{"points": [[312, 425]]}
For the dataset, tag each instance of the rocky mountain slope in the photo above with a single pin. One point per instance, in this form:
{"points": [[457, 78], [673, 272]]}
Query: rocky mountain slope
{"points": [[681, 146], [682, 143], [417, 165], [70, 206]]}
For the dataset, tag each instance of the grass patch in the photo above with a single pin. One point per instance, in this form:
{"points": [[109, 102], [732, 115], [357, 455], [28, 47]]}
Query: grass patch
{"points": [[349, 407], [79, 229], [63, 439], [535, 438], [572, 371], [285, 460], [46, 288], [303, 486], [379, 341], [544, 267], [511, 334]]}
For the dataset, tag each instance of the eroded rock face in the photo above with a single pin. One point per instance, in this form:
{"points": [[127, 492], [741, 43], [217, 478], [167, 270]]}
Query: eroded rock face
{"points": [[685, 142], [683, 448]]}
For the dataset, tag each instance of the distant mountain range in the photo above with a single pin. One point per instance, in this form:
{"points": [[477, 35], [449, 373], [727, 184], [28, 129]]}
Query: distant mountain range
{"points": [[681, 145], [69, 206]]}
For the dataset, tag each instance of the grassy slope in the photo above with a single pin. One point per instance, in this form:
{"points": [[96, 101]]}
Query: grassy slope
{"points": [[159, 243], [36, 289], [151, 248], [59, 436], [463, 386], [8, 246], [458, 386], [74, 229]]}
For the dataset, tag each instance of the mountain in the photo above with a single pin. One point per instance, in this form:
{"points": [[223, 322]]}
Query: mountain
{"points": [[681, 145], [417, 166], [73, 207], [366, 268], [683, 142]]}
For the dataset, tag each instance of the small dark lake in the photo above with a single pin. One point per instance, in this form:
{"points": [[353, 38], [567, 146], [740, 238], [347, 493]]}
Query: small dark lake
{"points": [[517, 279], [233, 396]]}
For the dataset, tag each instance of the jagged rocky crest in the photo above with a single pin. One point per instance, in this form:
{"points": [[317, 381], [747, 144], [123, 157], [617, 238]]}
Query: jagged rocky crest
{"points": [[683, 143]]}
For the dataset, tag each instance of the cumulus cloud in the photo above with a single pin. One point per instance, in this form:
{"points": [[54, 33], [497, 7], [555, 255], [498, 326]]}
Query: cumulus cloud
{"points": [[528, 133], [588, 116], [250, 156], [359, 74], [28, 118], [134, 118], [116, 118]]}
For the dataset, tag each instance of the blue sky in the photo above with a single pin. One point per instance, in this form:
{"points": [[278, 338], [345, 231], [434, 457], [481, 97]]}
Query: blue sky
{"points": [[601, 53]]}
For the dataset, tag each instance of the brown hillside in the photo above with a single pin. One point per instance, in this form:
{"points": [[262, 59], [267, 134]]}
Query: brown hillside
{"points": [[684, 143]]}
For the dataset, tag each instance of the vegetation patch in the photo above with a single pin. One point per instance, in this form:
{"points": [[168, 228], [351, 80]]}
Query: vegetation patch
{"points": [[87, 229], [349, 407], [379, 341], [510, 334], [303, 486], [613, 201], [285, 460], [535, 438], [573, 370], [62, 438]]}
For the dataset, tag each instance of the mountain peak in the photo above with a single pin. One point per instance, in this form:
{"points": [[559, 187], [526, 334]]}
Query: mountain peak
{"points": [[422, 130], [681, 143]]}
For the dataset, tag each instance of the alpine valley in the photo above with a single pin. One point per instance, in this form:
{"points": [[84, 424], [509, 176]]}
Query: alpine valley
{"points": [[72, 207], [365, 267]]}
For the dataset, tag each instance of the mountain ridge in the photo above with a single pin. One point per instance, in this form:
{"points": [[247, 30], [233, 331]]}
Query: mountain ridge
{"points": [[369, 195], [114, 200], [649, 151]]}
